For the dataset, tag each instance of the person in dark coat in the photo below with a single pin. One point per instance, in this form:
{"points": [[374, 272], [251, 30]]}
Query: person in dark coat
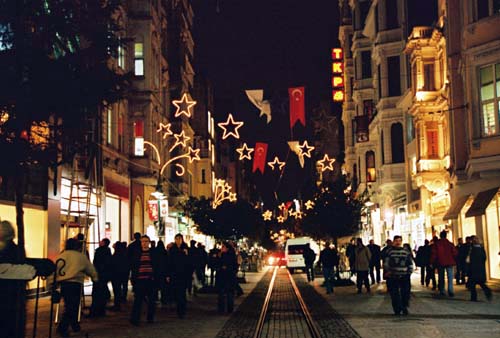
{"points": [[351, 255], [179, 273], [9, 289], [160, 254], [226, 278], [462, 249], [201, 265], [374, 261], [213, 262], [477, 270], [144, 271], [328, 258], [100, 291], [133, 250], [423, 261], [309, 257], [120, 274]]}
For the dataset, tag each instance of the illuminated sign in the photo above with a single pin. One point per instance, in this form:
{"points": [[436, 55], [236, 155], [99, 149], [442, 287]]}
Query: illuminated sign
{"points": [[338, 75], [139, 146]]}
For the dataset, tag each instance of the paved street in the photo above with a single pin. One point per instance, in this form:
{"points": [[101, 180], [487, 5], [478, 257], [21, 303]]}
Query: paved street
{"points": [[343, 314]]}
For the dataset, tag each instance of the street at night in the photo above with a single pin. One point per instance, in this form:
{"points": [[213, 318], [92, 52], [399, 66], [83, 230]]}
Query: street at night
{"points": [[260, 169]]}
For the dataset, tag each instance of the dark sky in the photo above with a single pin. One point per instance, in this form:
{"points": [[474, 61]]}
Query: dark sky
{"points": [[270, 45]]}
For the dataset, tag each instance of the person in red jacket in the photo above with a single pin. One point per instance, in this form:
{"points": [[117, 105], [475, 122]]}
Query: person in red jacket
{"points": [[443, 257]]}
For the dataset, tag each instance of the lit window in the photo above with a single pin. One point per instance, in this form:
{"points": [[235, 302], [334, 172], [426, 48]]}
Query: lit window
{"points": [[139, 59], [371, 175], [109, 120], [490, 97], [121, 57]]}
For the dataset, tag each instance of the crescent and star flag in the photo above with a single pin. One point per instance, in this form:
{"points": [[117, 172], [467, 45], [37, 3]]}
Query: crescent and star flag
{"points": [[259, 158], [297, 106], [256, 96]]}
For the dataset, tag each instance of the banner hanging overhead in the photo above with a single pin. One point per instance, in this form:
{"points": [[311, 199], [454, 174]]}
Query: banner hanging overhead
{"points": [[259, 159], [297, 106]]}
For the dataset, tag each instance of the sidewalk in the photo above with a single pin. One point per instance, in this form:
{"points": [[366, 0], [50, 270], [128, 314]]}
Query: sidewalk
{"points": [[430, 315], [201, 318]]}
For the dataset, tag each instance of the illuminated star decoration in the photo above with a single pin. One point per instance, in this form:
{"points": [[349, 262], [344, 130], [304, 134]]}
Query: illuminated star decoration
{"points": [[305, 149], [328, 166], [276, 162], [235, 126], [297, 214], [180, 140], [280, 219], [194, 155], [309, 205], [323, 122], [165, 129], [245, 152], [267, 215], [222, 192], [183, 106]]}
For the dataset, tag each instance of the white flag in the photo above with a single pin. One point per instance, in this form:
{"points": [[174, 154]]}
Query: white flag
{"points": [[256, 96]]}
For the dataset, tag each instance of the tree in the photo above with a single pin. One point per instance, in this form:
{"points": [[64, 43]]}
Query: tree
{"points": [[228, 221], [57, 74], [335, 213]]}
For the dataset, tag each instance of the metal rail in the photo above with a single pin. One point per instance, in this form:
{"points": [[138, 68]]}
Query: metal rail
{"points": [[263, 312], [313, 329]]}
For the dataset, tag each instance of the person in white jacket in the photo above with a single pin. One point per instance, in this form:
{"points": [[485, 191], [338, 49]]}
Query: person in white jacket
{"points": [[72, 267]]}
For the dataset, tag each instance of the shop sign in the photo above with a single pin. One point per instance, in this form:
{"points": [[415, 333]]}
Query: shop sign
{"points": [[338, 75], [153, 210]]}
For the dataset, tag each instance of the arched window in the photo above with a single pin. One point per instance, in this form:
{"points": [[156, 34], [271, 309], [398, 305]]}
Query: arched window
{"points": [[371, 175], [397, 144]]}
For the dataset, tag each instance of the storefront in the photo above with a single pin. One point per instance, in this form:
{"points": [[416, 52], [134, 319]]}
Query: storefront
{"points": [[116, 226]]}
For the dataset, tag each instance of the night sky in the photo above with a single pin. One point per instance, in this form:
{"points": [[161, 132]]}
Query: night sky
{"points": [[270, 45]]}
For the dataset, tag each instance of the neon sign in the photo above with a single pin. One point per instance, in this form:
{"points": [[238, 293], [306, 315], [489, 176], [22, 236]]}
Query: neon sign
{"points": [[338, 75]]}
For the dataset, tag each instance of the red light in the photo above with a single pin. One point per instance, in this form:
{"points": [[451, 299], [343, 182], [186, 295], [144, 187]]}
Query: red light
{"points": [[337, 81], [337, 53]]}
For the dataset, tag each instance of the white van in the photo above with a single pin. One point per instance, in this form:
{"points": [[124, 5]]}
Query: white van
{"points": [[293, 252]]}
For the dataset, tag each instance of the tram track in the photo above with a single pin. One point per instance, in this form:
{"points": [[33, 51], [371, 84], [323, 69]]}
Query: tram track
{"points": [[284, 312]]}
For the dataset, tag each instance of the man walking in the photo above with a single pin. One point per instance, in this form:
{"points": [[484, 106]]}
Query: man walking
{"points": [[443, 256], [179, 272], [374, 261], [398, 266], [362, 265], [100, 290], [462, 250], [327, 259], [143, 274], [309, 257], [477, 270]]}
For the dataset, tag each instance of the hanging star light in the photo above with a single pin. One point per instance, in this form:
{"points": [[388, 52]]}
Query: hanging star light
{"points": [[328, 166], [309, 205], [282, 207], [245, 152], [305, 149], [298, 214], [194, 155], [267, 215], [276, 162], [280, 219], [180, 140], [165, 129], [222, 192], [235, 126], [183, 106]]}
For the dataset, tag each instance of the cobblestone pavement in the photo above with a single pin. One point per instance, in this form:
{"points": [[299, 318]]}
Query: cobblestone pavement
{"points": [[370, 315], [201, 321]]}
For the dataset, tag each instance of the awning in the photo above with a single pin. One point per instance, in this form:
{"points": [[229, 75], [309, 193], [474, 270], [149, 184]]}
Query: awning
{"points": [[481, 202], [456, 206]]}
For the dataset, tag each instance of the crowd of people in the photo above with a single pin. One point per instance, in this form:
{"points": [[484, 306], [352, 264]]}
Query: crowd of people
{"points": [[157, 273], [464, 262]]}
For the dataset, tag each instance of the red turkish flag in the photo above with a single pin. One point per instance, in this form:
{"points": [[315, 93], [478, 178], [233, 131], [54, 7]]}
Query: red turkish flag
{"points": [[259, 157], [297, 106]]}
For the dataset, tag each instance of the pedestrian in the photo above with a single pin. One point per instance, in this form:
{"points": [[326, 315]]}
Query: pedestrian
{"points": [[477, 270], [462, 250], [160, 260], [374, 261], [383, 252], [100, 290], [336, 263], [10, 289], [443, 256], [351, 255], [134, 249], [193, 257], [143, 274], [120, 274], [309, 258], [179, 273], [213, 262], [202, 264], [423, 261], [468, 245], [362, 265], [327, 259], [226, 279], [398, 267], [71, 268]]}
